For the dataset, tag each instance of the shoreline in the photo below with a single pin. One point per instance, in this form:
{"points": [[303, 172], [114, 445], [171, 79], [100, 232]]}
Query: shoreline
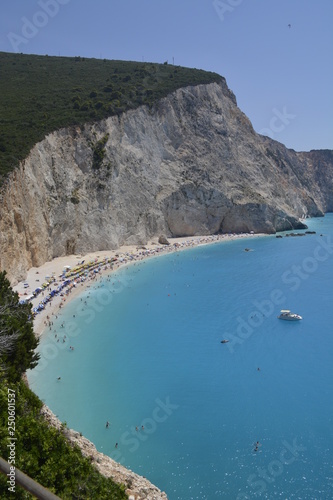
{"points": [[106, 262], [99, 265], [137, 487]]}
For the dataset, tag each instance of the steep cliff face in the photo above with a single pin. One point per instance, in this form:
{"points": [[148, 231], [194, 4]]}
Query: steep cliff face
{"points": [[190, 165]]}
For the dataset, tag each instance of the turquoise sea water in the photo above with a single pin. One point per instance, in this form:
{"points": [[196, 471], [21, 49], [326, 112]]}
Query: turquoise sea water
{"points": [[147, 352]]}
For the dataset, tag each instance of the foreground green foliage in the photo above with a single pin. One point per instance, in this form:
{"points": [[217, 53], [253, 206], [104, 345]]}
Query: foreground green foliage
{"points": [[17, 338], [41, 451], [40, 94], [44, 454]]}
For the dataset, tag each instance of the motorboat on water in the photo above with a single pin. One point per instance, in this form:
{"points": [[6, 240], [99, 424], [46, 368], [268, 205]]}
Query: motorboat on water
{"points": [[289, 316]]}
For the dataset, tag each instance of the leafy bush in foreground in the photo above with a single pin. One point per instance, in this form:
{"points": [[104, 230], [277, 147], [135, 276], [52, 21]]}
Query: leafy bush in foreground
{"points": [[17, 338], [44, 454]]}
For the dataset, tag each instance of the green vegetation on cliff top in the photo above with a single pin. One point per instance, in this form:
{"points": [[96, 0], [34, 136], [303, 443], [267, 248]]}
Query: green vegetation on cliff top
{"points": [[40, 94]]}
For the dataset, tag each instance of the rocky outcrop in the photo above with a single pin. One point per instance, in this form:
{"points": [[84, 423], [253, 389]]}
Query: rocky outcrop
{"points": [[163, 240], [190, 165], [137, 487]]}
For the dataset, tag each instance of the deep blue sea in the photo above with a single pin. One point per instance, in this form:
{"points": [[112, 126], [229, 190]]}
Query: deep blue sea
{"points": [[185, 410]]}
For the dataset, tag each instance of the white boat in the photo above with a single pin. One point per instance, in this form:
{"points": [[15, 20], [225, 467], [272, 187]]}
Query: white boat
{"points": [[289, 316]]}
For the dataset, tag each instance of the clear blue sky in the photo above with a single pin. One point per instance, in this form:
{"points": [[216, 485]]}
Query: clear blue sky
{"points": [[282, 76]]}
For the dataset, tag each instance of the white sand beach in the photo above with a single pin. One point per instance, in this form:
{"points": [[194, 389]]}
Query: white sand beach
{"points": [[75, 272]]}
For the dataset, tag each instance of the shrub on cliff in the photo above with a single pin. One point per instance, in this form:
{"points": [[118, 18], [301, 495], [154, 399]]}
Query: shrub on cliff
{"points": [[99, 152]]}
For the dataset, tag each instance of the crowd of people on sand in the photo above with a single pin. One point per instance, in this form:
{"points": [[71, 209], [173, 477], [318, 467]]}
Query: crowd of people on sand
{"points": [[63, 285], [83, 272]]}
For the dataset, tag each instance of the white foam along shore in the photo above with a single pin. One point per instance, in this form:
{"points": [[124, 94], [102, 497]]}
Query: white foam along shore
{"points": [[70, 275]]}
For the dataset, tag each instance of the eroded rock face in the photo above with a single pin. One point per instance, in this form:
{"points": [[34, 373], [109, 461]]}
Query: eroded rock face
{"points": [[191, 165]]}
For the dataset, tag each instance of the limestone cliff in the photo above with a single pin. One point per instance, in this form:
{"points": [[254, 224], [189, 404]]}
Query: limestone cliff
{"points": [[192, 164]]}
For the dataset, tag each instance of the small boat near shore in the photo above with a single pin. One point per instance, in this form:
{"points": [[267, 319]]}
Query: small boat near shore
{"points": [[289, 316]]}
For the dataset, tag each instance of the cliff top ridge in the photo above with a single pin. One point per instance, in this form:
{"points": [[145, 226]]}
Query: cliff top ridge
{"points": [[41, 94]]}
